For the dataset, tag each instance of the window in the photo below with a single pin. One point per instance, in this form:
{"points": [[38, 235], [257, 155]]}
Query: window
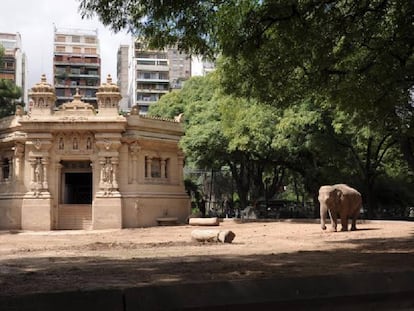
{"points": [[60, 92], [156, 168], [75, 71], [60, 70], [90, 50], [89, 93], [60, 38], [9, 65], [6, 169], [75, 38], [60, 48], [76, 50], [90, 40], [145, 62]]}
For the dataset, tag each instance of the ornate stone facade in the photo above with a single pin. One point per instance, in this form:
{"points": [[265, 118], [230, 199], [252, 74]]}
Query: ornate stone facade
{"points": [[75, 167]]}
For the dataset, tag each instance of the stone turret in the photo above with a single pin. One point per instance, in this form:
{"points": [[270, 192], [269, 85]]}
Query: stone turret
{"points": [[108, 97], [43, 98]]}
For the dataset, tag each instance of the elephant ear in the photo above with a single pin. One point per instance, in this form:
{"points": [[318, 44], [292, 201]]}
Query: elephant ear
{"points": [[338, 195]]}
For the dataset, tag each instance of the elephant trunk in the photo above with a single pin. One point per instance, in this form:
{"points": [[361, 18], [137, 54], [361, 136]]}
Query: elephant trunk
{"points": [[323, 210]]}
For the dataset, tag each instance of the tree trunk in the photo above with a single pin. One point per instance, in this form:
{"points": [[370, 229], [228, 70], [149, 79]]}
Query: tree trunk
{"points": [[212, 221], [241, 179], [407, 148]]}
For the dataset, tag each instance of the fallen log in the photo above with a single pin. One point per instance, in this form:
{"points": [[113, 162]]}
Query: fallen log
{"points": [[213, 235], [211, 221]]}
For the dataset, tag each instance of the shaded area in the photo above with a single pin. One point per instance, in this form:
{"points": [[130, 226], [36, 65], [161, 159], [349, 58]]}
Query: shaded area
{"points": [[29, 274]]}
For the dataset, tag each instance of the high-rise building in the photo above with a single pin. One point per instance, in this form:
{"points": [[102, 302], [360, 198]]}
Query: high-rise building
{"points": [[180, 68], [76, 64], [14, 61], [123, 76], [154, 73], [150, 75]]}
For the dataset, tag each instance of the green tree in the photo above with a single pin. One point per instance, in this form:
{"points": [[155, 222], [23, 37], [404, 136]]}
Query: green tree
{"points": [[257, 142], [356, 54], [9, 92]]}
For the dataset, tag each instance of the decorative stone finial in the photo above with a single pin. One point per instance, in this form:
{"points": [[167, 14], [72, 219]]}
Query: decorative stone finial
{"points": [[43, 98], [108, 97], [77, 97], [43, 86]]}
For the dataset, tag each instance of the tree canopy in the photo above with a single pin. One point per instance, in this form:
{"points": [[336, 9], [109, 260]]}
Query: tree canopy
{"points": [[266, 147], [357, 53], [322, 77]]}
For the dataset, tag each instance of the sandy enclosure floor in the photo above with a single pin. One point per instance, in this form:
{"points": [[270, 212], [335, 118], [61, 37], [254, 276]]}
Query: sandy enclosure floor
{"points": [[76, 260]]}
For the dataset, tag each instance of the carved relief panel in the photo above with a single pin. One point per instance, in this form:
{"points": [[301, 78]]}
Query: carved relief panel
{"points": [[74, 143]]}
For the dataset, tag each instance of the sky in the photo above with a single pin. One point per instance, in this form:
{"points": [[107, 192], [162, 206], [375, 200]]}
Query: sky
{"points": [[35, 21]]}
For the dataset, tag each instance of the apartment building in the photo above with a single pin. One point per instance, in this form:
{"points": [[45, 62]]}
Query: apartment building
{"points": [[14, 61], [76, 64], [180, 68], [154, 73]]}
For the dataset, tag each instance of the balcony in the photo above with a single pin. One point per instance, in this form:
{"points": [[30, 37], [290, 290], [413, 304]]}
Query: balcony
{"points": [[66, 86], [152, 80], [67, 63], [162, 68], [83, 75]]}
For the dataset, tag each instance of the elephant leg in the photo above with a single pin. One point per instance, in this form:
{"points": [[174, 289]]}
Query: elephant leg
{"points": [[333, 218], [354, 219], [353, 226], [344, 222]]}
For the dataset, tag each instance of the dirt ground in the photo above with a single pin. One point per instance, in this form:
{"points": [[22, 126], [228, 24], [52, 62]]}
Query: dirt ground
{"points": [[77, 260]]}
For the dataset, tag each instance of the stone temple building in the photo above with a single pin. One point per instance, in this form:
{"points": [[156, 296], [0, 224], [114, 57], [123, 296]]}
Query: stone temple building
{"points": [[75, 167]]}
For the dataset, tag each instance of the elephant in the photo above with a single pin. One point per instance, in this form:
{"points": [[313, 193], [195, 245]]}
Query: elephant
{"points": [[339, 200]]}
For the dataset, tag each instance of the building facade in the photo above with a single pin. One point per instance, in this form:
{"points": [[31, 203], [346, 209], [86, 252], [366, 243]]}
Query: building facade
{"points": [[180, 68], [122, 70], [154, 73], [14, 61], [76, 64], [78, 167]]}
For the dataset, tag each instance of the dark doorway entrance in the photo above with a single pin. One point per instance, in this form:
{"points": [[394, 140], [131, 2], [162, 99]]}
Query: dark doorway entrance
{"points": [[78, 188]]}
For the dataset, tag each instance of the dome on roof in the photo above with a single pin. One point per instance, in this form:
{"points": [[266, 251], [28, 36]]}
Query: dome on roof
{"points": [[43, 86], [109, 86]]}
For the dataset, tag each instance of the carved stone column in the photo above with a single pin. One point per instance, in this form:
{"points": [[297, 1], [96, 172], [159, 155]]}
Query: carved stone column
{"points": [[114, 163], [134, 149], [102, 162], [180, 160], [148, 162], [45, 163], [19, 157], [32, 162], [163, 166]]}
